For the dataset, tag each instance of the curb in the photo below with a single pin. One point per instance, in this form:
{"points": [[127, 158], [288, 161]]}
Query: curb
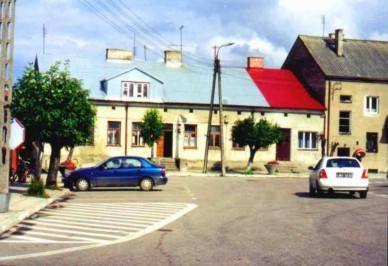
{"points": [[22, 215]]}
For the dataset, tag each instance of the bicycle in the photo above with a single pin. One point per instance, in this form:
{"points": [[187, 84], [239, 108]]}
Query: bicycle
{"points": [[22, 173]]}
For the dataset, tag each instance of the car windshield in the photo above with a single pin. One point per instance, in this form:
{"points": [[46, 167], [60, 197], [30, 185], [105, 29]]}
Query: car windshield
{"points": [[339, 163]]}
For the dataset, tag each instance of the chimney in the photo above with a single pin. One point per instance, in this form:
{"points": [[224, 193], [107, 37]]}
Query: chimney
{"points": [[118, 55], [339, 42], [173, 58], [255, 62]]}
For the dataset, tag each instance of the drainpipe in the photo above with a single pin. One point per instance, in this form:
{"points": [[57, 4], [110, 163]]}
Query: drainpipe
{"points": [[126, 130], [328, 120]]}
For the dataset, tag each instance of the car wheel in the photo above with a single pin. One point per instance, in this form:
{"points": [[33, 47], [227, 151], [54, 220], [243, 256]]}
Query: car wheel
{"points": [[82, 184], [146, 184], [363, 194], [319, 190], [311, 190]]}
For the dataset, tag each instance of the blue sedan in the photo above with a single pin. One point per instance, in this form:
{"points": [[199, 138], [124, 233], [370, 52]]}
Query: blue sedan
{"points": [[127, 171]]}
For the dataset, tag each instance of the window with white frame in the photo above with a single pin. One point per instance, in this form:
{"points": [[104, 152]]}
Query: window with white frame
{"points": [[131, 89], [114, 130], [137, 139], [372, 104], [190, 139], [307, 140]]}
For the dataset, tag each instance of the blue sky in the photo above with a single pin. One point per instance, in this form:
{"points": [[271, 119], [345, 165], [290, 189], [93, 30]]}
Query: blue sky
{"points": [[261, 27]]}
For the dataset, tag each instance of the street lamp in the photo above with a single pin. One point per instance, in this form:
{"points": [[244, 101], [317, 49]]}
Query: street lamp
{"points": [[216, 75]]}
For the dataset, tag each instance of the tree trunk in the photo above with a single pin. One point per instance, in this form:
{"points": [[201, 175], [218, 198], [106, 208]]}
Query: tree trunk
{"points": [[51, 181], [152, 152], [252, 153], [70, 155], [36, 159]]}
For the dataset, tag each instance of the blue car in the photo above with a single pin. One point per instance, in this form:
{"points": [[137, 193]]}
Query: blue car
{"points": [[127, 171]]}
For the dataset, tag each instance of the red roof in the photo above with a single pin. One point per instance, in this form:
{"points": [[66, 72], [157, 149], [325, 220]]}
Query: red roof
{"points": [[282, 89]]}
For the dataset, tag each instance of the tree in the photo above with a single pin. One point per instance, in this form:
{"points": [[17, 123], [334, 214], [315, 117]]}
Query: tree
{"points": [[151, 128], [54, 109], [255, 135]]}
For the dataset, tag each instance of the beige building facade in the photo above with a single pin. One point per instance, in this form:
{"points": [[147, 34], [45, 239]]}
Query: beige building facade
{"points": [[350, 77]]}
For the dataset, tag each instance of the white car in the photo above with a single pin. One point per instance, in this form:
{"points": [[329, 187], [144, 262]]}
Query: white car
{"points": [[333, 174]]}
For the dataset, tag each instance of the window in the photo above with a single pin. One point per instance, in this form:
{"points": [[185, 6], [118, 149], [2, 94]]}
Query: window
{"points": [[190, 138], [137, 140], [344, 122], [114, 163], [307, 140], [132, 89], [371, 142], [214, 141], [372, 105], [345, 98], [114, 130], [130, 163], [342, 163]]}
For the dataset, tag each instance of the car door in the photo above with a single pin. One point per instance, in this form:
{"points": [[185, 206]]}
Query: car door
{"points": [[130, 172], [107, 174]]}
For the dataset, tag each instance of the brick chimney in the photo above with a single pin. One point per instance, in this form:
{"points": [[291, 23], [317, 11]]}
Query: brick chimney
{"points": [[255, 62], [173, 58], [339, 42], [118, 54]]}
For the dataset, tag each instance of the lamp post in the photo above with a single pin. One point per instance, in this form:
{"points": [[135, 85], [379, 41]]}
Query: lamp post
{"points": [[216, 76]]}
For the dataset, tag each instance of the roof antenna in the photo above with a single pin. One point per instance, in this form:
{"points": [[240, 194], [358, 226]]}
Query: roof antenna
{"points": [[323, 20]]}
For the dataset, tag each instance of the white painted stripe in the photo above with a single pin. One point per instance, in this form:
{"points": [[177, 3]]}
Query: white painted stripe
{"points": [[148, 230], [117, 217], [102, 224], [44, 228], [121, 213], [27, 238], [124, 205], [40, 233], [84, 228], [121, 209], [101, 218], [44, 242]]}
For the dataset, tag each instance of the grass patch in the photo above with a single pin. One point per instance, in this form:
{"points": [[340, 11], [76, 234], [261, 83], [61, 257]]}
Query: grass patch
{"points": [[36, 189], [248, 172]]}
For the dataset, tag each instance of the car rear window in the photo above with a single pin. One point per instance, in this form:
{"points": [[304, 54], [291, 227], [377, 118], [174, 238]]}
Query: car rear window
{"points": [[342, 163]]}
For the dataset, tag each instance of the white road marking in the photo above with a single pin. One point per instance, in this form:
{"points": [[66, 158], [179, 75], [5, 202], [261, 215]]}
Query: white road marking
{"points": [[64, 224]]}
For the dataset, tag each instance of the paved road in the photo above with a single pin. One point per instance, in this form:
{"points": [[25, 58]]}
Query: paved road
{"points": [[238, 221]]}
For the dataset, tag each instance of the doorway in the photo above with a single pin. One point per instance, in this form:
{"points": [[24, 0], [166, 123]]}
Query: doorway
{"points": [[164, 145], [283, 149]]}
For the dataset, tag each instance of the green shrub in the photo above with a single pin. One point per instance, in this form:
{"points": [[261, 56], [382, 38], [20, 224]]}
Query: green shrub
{"points": [[248, 172], [36, 188]]}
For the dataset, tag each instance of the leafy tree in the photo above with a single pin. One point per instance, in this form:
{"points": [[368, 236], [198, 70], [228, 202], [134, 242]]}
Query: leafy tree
{"points": [[151, 128], [255, 135], [54, 109]]}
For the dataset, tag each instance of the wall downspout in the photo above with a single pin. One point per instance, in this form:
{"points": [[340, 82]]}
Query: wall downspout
{"points": [[126, 131], [328, 120]]}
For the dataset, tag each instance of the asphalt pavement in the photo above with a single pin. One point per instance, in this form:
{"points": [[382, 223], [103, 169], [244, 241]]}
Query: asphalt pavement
{"points": [[206, 221]]}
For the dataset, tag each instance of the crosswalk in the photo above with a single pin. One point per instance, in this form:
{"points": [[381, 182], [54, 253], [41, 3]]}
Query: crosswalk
{"points": [[95, 223]]}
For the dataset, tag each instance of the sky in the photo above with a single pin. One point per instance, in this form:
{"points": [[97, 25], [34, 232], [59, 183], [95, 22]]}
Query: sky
{"points": [[85, 28]]}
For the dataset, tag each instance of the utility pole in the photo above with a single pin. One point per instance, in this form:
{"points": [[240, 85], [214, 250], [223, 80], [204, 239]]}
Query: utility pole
{"points": [[44, 38], [6, 77], [180, 29], [216, 76]]}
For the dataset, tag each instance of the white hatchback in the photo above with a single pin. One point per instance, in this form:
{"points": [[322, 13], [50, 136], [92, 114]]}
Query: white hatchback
{"points": [[338, 174]]}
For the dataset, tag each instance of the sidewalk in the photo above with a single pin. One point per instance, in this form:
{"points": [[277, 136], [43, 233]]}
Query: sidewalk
{"points": [[236, 174], [23, 206]]}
